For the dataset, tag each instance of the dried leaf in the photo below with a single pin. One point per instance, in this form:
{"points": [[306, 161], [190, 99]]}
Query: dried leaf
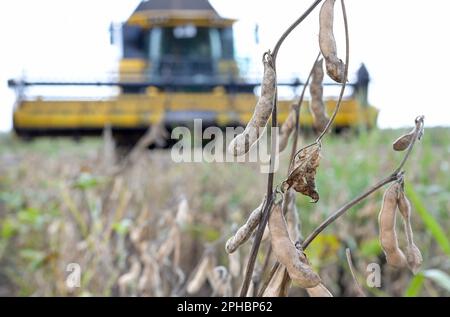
{"points": [[302, 178]]}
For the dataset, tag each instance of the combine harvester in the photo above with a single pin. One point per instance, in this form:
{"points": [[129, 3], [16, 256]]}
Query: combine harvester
{"points": [[178, 64]]}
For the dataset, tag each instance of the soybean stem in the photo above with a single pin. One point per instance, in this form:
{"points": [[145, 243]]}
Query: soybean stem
{"points": [[333, 117], [346, 207], [269, 278], [264, 267], [336, 215], [396, 175], [298, 107], [292, 27], [270, 194], [294, 149], [256, 244], [417, 131]]}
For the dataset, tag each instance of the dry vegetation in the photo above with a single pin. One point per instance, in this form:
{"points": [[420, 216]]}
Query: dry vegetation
{"points": [[149, 227], [59, 204]]}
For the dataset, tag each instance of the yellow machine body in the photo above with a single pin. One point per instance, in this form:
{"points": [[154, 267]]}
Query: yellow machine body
{"points": [[140, 111], [147, 96]]}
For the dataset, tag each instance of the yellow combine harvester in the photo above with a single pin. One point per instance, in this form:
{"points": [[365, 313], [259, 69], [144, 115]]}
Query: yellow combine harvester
{"points": [[178, 64]]}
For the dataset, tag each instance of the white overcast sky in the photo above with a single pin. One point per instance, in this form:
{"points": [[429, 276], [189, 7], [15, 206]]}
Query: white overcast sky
{"points": [[404, 44]]}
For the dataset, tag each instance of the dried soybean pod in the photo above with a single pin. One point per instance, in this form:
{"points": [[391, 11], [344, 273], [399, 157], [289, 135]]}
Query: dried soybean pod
{"points": [[241, 143], [286, 252], [403, 142], [414, 257], [279, 284], [291, 213], [319, 291], [201, 274], [170, 244], [404, 206], [286, 129], [220, 281], [388, 235], [244, 232], [184, 216], [316, 105], [413, 254], [130, 277], [255, 280], [335, 66]]}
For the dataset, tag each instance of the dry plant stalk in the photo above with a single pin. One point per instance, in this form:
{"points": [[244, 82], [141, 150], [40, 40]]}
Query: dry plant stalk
{"points": [[256, 279], [150, 279], [317, 106], [319, 291], [157, 134], [291, 213], [241, 143], [359, 289], [244, 232], [184, 216], [287, 254], [302, 178], [335, 66], [270, 193], [286, 129], [172, 243], [200, 276], [279, 285], [130, 277], [220, 281], [234, 263], [413, 254], [388, 236], [266, 234], [292, 219], [395, 176]]}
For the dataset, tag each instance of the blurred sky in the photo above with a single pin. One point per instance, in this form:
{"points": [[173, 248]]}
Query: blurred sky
{"points": [[403, 44]]}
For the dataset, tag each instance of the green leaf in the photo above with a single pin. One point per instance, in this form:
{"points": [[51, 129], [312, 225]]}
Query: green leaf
{"points": [[370, 248], [86, 181], [32, 216], [12, 200], [323, 249], [440, 278], [8, 228], [34, 258], [431, 224], [122, 227], [203, 232], [415, 286]]}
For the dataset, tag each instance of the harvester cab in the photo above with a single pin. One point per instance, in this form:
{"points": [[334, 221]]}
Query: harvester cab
{"points": [[178, 64], [177, 43]]}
